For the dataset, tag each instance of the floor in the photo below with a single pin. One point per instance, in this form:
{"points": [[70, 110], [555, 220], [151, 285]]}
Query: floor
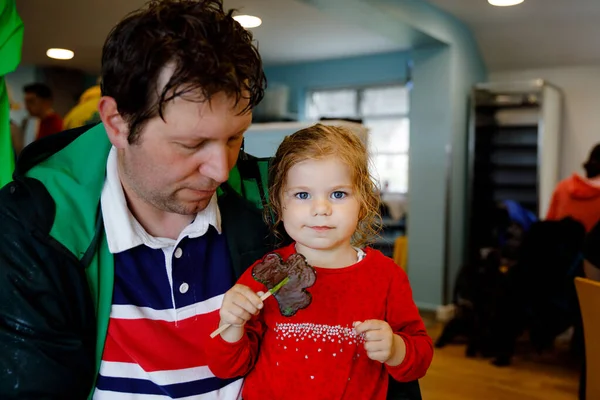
{"points": [[452, 376]]}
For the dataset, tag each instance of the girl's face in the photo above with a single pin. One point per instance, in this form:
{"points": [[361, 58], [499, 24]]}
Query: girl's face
{"points": [[320, 206]]}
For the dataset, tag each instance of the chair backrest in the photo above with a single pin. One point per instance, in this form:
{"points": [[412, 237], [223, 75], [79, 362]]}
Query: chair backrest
{"points": [[401, 251], [588, 292]]}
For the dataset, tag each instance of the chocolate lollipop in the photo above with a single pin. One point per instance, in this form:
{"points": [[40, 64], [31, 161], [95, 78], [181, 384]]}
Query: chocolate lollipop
{"points": [[292, 296]]}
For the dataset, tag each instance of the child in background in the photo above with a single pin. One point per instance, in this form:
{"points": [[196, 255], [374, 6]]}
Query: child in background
{"points": [[362, 322]]}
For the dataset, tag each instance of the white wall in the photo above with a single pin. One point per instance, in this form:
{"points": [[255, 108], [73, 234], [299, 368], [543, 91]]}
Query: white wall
{"points": [[581, 114], [23, 75]]}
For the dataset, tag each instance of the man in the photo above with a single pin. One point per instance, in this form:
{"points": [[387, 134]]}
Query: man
{"points": [[120, 239], [38, 101]]}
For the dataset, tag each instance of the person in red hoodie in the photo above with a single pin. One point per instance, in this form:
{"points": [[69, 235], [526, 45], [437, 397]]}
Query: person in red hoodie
{"points": [[578, 197]]}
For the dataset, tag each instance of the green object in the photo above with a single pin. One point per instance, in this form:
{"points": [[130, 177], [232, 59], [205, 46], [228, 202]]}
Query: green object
{"points": [[11, 41], [279, 285]]}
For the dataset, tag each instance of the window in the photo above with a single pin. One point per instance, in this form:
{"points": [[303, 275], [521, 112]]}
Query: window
{"points": [[384, 110]]}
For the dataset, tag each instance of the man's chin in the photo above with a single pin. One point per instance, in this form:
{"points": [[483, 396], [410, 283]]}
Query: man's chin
{"points": [[183, 207], [193, 207]]}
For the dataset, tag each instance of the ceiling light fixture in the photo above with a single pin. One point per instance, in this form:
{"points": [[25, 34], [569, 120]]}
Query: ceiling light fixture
{"points": [[60, 54], [505, 3], [248, 21]]}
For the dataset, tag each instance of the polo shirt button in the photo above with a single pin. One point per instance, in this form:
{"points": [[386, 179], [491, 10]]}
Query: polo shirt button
{"points": [[183, 288], [178, 252]]}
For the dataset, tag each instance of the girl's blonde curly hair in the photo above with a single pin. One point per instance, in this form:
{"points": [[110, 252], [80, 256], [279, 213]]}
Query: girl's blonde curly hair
{"points": [[315, 143]]}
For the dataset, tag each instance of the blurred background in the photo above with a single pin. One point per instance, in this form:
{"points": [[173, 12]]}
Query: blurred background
{"points": [[473, 113]]}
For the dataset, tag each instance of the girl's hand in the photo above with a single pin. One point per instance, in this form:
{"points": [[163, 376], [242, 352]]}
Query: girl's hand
{"points": [[381, 344], [240, 303]]}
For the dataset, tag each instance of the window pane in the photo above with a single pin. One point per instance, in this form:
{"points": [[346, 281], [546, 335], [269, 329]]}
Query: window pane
{"points": [[388, 135], [384, 101], [332, 103], [392, 170]]}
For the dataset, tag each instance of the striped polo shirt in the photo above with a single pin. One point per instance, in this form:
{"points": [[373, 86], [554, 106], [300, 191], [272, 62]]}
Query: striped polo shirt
{"points": [[166, 299]]}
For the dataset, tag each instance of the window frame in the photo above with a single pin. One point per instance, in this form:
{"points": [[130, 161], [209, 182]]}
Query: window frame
{"points": [[358, 113]]}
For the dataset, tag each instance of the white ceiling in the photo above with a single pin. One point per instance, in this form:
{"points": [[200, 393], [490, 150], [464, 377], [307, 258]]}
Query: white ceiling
{"points": [[292, 31], [534, 34], [537, 33]]}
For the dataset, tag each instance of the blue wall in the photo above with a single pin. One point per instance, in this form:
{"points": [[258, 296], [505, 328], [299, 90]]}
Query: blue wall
{"points": [[374, 69], [464, 66], [431, 130]]}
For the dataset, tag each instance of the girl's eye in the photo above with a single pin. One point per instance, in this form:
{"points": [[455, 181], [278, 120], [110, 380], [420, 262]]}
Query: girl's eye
{"points": [[302, 195], [338, 195]]}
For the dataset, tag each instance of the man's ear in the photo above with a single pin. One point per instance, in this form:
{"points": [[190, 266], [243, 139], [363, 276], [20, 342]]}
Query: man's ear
{"points": [[116, 127]]}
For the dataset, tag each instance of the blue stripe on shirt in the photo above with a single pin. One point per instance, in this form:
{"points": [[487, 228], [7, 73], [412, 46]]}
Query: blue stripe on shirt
{"points": [[141, 277], [142, 386]]}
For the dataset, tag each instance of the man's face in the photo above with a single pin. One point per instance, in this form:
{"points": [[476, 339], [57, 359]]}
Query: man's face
{"points": [[177, 164], [35, 105]]}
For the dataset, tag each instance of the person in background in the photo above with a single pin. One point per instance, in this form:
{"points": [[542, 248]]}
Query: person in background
{"points": [[579, 197], [86, 111], [38, 101]]}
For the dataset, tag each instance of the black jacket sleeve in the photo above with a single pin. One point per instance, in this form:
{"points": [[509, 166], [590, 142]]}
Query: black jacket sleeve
{"points": [[47, 322]]}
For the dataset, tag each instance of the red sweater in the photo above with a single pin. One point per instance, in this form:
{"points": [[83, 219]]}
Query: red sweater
{"points": [[316, 354], [50, 125], [578, 198]]}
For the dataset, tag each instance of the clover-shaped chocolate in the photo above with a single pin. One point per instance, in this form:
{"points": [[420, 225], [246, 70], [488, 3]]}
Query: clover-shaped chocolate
{"points": [[292, 296]]}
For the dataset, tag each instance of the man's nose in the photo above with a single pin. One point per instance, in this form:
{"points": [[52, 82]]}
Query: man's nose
{"points": [[216, 166]]}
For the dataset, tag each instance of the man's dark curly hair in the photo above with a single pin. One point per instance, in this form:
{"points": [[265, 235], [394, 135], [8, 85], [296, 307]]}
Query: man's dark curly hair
{"points": [[209, 50]]}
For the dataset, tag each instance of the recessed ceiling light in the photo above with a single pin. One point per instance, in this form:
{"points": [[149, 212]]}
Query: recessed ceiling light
{"points": [[248, 21], [60, 54], [505, 3]]}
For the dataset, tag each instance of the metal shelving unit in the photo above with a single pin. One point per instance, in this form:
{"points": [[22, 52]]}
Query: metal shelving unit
{"points": [[514, 139]]}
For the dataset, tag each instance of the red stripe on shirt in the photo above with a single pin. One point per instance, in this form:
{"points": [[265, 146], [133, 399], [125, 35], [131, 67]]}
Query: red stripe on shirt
{"points": [[160, 345]]}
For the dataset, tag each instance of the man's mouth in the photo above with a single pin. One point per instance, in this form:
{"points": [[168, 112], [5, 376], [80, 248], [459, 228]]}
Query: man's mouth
{"points": [[202, 193]]}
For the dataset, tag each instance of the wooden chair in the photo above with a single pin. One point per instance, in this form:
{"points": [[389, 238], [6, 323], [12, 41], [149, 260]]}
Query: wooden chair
{"points": [[588, 292], [401, 251]]}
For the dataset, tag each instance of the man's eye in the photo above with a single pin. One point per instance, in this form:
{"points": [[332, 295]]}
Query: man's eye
{"points": [[302, 195], [191, 147]]}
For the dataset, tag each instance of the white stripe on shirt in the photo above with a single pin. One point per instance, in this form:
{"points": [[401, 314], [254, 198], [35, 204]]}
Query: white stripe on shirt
{"points": [[162, 378], [128, 311]]}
